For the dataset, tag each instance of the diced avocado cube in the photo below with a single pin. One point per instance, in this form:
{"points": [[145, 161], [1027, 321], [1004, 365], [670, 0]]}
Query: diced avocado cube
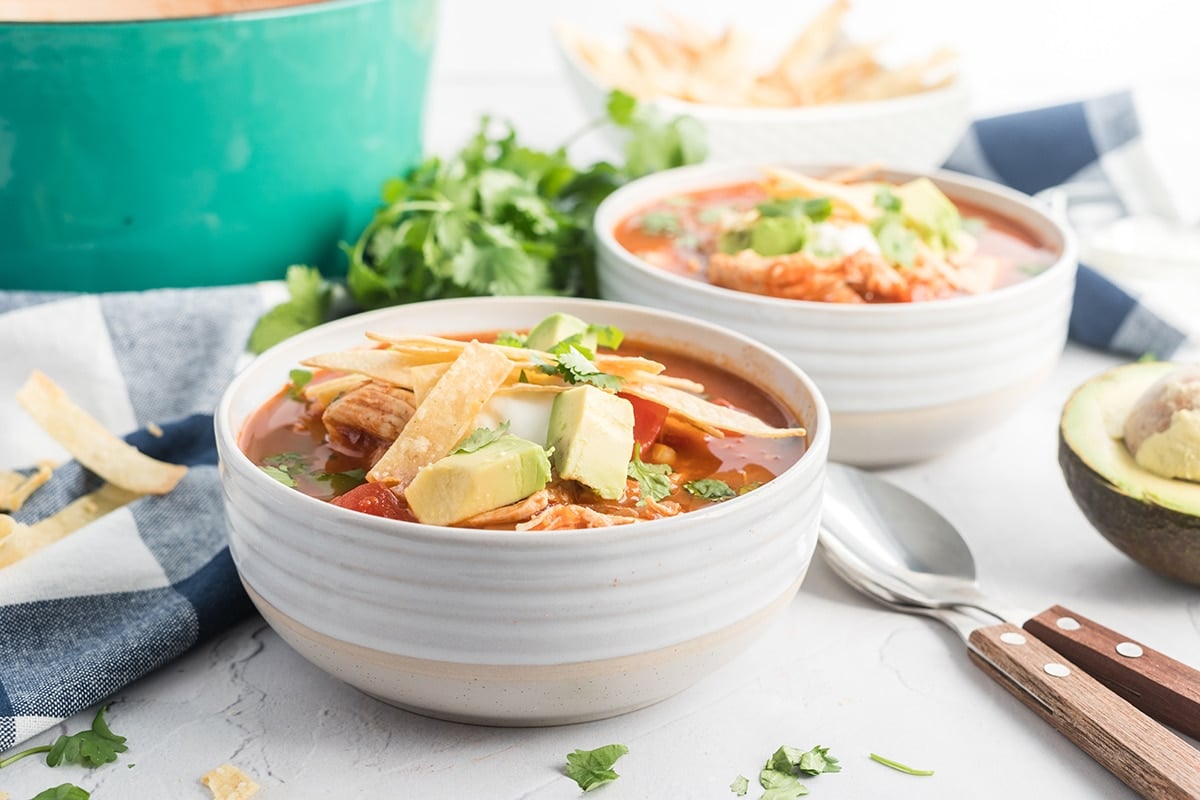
{"points": [[930, 212], [591, 432], [777, 236], [556, 327], [462, 485]]}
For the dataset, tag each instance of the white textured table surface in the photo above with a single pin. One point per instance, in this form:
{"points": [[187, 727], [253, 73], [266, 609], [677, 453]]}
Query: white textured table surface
{"points": [[835, 670]]}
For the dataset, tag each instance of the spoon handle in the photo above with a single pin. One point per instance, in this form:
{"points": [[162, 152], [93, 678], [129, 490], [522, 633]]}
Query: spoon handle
{"points": [[1164, 688], [1147, 757]]}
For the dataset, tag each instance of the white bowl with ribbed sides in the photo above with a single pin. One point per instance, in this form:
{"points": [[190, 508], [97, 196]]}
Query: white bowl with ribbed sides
{"points": [[522, 628], [904, 381]]}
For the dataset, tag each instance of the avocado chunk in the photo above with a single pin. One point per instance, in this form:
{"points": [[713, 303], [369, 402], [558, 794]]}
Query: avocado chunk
{"points": [[1154, 520], [556, 327], [591, 432], [933, 215], [462, 485]]}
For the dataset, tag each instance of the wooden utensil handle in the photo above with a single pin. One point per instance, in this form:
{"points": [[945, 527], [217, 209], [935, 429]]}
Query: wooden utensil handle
{"points": [[1164, 688], [1146, 756]]}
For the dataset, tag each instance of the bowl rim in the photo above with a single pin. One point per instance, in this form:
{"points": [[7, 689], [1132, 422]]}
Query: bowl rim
{"points": [[248, 15], [618, 205], [236, 465], [957, 90]]}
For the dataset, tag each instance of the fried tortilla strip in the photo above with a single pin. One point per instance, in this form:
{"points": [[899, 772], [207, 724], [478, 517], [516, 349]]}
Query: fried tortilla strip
{"points": [[326, 391], [18, 541], [703, 413], [858, 199], [932, 72], [16, 488], [90, 442], [388, 366], [813, 43], [445, 415], [227, 782]]}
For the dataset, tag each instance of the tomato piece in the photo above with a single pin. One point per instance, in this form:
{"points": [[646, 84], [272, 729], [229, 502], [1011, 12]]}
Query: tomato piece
{"points": [[375, 499], [648, 419]]}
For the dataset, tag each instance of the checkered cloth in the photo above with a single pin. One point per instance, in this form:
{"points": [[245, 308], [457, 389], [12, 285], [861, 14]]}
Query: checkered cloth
{"points": [[1095, 142], [128, 593]]}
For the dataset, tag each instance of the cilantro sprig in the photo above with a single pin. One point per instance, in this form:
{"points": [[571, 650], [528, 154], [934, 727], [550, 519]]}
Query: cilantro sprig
{"points": [[574, 367], [592, 768], [290, 468], [64, 791], [653, 480], [713, 490], [496, 218], [481, 438], [896, 765], [90, 748]]}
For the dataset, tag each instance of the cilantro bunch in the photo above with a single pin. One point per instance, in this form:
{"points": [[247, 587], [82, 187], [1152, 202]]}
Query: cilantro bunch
{"points": [[496, 218]]}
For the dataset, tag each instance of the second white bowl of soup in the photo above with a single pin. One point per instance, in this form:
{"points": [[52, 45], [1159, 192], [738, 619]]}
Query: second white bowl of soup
{"points": [[920, 333], [494, 613]]}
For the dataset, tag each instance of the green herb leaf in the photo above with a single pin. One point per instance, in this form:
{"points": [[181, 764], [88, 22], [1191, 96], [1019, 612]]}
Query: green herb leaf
{"points": [[712, 489], [64, 791], [734, 241], [575, 367], [510, 339], [32, 751], [740, 785], [572, 342], [609, 336], [592, 768], [481, 438], [896, 765], [653, 481], [886, 199], [660, 223], [281, 475], [816, 761], [91, 748], [342, 482], [621, 107], [814, 208], [780, 785], [300, 378], [310, 298]]}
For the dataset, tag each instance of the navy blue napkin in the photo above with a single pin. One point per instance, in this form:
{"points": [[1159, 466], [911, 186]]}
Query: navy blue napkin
{"points": [[1032, 151]]}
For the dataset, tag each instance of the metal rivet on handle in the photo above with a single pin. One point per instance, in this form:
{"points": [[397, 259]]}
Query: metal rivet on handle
{"points": [[1057, 670], [1012, 637], [1129, 650], [1068, 623]]}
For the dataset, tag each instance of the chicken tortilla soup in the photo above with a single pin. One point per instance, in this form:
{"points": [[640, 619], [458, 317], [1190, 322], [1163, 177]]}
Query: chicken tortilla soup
{"points": [[566, 426], [839, 239]]}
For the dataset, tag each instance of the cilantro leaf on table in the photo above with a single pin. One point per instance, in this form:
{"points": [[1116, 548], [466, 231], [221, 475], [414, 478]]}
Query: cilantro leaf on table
{"points": [[592, 768], [310, 298], [780, 785], [896, 765], [653, 481], [480, 438], [64, 791], [808, 762], [91, 748], [740, 785]]}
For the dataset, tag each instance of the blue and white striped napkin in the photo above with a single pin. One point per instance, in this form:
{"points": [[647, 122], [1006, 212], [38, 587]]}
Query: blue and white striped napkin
{"points": [[1094, 142], [137, 588]]}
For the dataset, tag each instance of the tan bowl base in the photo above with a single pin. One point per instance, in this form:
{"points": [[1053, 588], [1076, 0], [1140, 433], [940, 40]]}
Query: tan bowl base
{"points": [[523, 695]]}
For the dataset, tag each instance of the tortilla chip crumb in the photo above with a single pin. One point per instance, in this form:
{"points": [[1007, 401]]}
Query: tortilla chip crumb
{"points": [[227, 782], [153, 429], [16, 488], [5, 796]]}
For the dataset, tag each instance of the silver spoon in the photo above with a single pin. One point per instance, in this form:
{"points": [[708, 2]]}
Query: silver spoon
{"points": [[892, 550], [896, 542]]}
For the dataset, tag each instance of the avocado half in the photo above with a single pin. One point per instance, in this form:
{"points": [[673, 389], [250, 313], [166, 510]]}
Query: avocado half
{"points": [[1153, 520]]}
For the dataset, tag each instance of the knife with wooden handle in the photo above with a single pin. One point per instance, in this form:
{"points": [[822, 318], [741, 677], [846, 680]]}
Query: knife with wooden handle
{"points": [[1162, 687], [1147, 757]]}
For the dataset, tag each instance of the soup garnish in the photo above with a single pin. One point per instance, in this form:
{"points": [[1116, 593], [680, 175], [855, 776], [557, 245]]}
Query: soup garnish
{"points": [[838, 239], [568, 426]]}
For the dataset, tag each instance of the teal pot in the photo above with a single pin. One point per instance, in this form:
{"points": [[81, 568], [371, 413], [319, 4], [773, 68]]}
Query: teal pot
{"points": [[203, 151]]}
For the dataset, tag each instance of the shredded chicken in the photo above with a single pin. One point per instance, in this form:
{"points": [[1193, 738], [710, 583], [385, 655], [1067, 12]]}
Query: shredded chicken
{"points": [[519, 511], [572, 516], [860, 277], [359, 420]]}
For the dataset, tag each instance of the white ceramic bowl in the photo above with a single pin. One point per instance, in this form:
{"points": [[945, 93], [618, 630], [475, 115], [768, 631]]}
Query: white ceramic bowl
{"points": [[904, 381], [917, 131], [521, 628]]}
